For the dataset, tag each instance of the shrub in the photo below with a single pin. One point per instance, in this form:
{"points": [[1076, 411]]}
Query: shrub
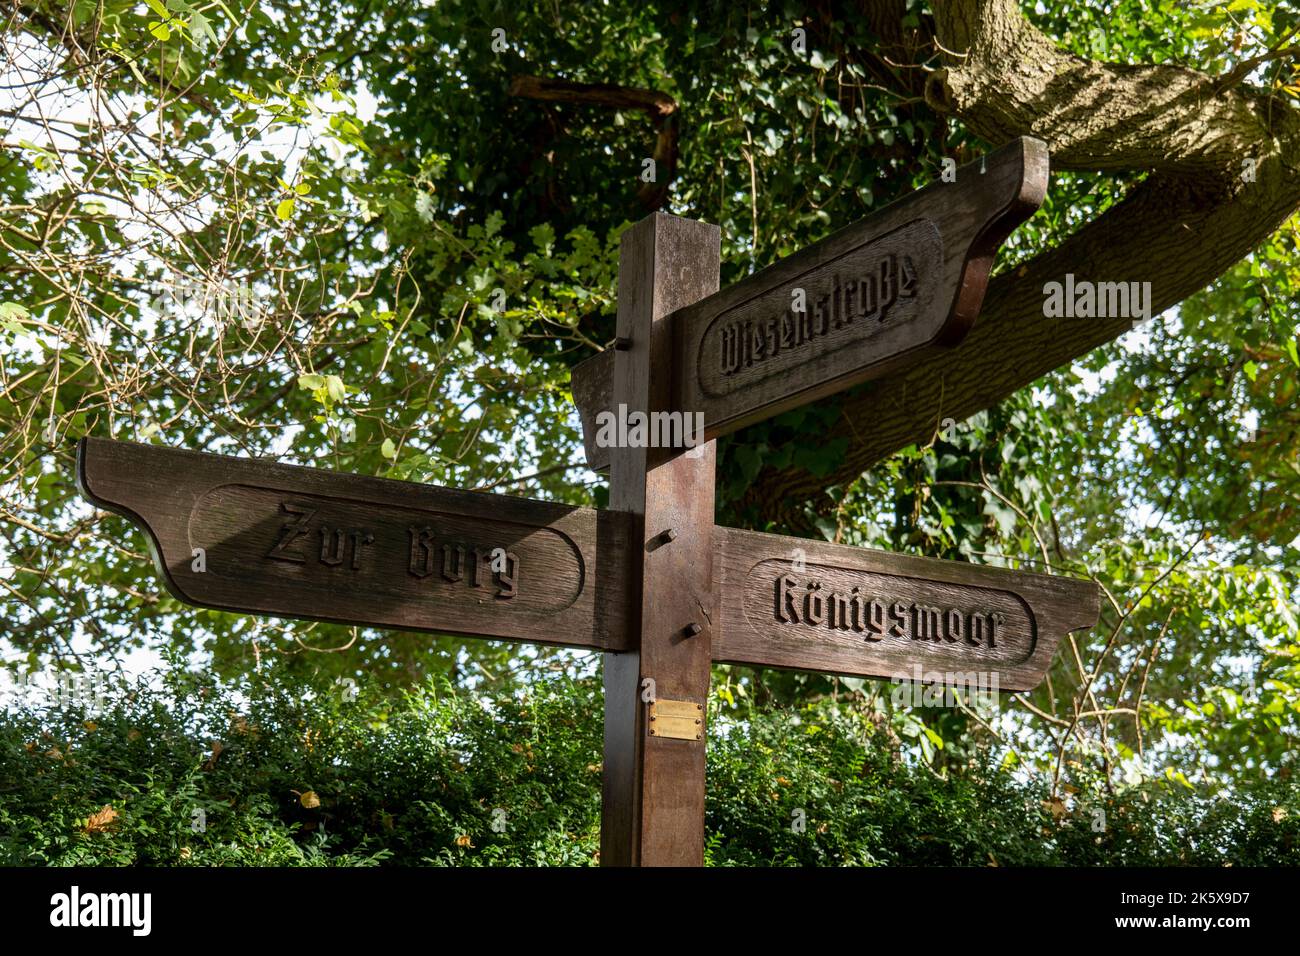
{"points": [[192, 773]]}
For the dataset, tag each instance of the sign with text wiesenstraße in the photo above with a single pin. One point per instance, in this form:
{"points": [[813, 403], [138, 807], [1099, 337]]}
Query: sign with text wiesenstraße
{"points": [[881, 293]]}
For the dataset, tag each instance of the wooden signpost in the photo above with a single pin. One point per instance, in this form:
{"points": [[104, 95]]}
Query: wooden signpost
{"points": [[651, 582]]}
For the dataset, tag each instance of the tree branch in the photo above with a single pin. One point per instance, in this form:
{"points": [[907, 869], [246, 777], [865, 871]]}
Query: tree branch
{"points": [[1014, 81], [1179, 229], [660, 107]]}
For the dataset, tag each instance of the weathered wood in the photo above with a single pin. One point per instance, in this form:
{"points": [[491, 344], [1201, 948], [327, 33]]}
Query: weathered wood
{"points": [[305, 543], [882, 293], [808, 605], [653, 798], [570, 575]]}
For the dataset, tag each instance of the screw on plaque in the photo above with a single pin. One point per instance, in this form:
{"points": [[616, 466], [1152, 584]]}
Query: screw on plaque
{"points": [[667, 536], [622, 343], [690, 630]]}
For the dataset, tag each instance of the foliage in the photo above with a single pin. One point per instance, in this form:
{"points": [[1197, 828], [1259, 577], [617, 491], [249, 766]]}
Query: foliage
{"points": [[444, 777], [291, 775], [864, 804]]}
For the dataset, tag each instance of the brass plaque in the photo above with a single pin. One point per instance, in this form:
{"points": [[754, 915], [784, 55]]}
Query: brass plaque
{"points": [[678, 719]]}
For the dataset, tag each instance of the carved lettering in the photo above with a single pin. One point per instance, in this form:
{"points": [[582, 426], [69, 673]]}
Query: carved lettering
{"points": [[954, 626], [333, 556], [786, 609], [453, 562], [421, 562], [291, 531], [839, 611], [875, 620], [925, 624], [359, 538], [859, 612], [334, 548], [899, 620], [508, 578], [744, 342], [807, 602], [472, 564], [814, 605]]}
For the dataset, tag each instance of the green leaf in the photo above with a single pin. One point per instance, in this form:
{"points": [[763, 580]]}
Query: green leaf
{"points": [[335, 388], [543, 237], [311, 382], [285, 209], [388, 449], [199, 24], [11, 317]]}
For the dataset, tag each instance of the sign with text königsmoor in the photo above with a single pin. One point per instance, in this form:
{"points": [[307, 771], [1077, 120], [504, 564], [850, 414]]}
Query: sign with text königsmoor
{"points": [[651, 582], [863, 613]]}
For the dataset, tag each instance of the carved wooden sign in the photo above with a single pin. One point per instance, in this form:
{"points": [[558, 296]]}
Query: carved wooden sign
{"points": [[807, 605], [812, 324], [905, 282], [246, 535]]}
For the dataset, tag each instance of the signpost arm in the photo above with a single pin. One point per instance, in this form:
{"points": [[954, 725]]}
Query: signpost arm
{"points": [[652, 810]]}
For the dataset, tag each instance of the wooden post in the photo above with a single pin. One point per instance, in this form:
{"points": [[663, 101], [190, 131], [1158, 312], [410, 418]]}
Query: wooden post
{"points": [[652, 811]]}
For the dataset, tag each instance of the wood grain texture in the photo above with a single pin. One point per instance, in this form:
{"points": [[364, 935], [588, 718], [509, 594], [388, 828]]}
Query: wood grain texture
{"points": [[653, 796], [863, 613], [572, 579], [885, 292], [306, 543]]}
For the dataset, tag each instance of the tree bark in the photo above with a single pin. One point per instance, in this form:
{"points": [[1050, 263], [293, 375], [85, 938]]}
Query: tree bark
{"points": [[1182, 226]]}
